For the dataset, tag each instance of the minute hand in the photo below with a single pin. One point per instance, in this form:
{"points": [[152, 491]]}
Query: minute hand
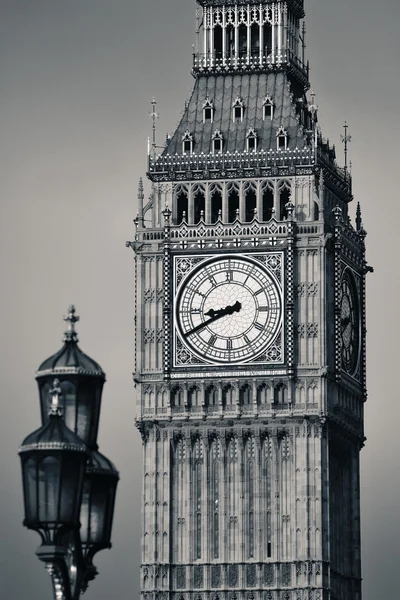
{"points": [[215, 315]]}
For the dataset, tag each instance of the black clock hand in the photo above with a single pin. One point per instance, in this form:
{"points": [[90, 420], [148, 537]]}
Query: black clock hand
{"points": [[214, 315]]}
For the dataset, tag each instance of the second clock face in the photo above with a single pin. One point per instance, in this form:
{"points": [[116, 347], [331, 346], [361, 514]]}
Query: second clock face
{"points": [[228, 310], [350, 323]]}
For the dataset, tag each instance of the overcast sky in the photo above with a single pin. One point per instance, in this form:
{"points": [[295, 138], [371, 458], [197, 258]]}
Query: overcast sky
{"points": [[76, 81]]}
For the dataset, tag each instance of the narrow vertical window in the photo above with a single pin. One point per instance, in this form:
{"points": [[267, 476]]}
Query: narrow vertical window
{"points": [[251, 140], [198, 506], [215, 499], [268, 203], [281, 139], [250, 203], [268, 108], [250, 495], [187, 142], [237, 108], [284, 197], [233, 204], [208, 111], [217, 142], [216, 204]]}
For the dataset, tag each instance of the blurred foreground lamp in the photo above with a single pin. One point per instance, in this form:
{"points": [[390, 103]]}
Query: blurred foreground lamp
{"points": [[69, 487]]}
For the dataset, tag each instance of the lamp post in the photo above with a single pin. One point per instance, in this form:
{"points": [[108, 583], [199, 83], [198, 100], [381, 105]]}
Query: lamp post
{"points": [[69, 487]]}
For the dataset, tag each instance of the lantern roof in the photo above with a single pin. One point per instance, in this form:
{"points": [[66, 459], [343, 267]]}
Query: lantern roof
{"points": [[99, 464], [54, 435], [70, 359]]}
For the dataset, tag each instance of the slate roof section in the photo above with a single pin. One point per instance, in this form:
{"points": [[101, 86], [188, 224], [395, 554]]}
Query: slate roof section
{"points": [[223, 91]]}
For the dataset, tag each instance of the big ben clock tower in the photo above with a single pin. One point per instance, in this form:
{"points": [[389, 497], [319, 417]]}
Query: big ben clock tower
{"points": [[250, 330]]}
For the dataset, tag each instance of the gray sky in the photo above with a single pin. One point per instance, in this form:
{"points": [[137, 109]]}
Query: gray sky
{"points": [[77, 78]]}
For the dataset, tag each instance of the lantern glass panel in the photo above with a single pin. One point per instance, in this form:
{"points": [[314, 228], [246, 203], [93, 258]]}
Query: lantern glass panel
{"points": [[48, 489], [30, 490], [68, 401], [45, 401], [70, 488]]}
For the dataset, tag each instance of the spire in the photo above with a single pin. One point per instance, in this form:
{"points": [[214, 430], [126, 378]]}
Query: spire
{"points": [[346, 138], [154, 116], [140, 197], [70, 335]]}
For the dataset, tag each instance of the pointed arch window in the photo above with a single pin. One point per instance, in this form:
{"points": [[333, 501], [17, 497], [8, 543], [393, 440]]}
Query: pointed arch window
{"points": [[251, 140], [187, 142], [208, 111], [237, 110], [281, 139], [268, 108], [217, 142]]}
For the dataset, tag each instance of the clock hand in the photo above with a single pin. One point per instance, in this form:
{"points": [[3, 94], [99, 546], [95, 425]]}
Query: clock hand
{"points": [[214, 315]]}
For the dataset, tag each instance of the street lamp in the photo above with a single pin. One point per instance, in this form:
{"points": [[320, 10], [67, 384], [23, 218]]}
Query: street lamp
{"points": [[69, 487]]}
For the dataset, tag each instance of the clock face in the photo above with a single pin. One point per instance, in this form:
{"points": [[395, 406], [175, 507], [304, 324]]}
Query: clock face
{"points": [[350, 324], [228, 310]]}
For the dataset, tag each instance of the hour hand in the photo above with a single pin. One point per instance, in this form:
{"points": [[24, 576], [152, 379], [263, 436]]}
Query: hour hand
{"points": [[214, 315]]}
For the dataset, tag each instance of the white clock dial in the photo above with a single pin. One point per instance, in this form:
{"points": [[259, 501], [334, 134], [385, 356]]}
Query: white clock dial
{"points": [[228, 310]]}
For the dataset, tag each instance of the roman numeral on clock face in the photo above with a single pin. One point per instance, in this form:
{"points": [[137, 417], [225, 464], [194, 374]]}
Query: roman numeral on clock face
{"points": [[258, 326], [212, 340], [260, 291], [229, 344]]}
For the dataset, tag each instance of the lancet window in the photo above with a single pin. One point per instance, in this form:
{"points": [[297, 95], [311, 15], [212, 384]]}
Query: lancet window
{"points": [[227, 395], [211, 396], [250, 202], [194, 397], [216, 203], [208, 111], [237, 110], [181, 196], [177, 397], [267, 201], [281, 139], [268, 108], [217, 142], [284, 197], [199, 203], [245, 395], [187, 142], [251, 140], [233, 203]]}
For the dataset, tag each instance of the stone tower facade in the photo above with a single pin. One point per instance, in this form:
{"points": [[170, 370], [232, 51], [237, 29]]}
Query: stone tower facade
{"points": [[250, 330]]}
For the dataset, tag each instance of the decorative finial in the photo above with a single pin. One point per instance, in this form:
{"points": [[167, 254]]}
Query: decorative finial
{"points": [[358, 218], [55, 408], [289, 209], [140, 197], [167, 212], [154, 116], [70, 335], [337, 213], [346, 138], [313, 108]]}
